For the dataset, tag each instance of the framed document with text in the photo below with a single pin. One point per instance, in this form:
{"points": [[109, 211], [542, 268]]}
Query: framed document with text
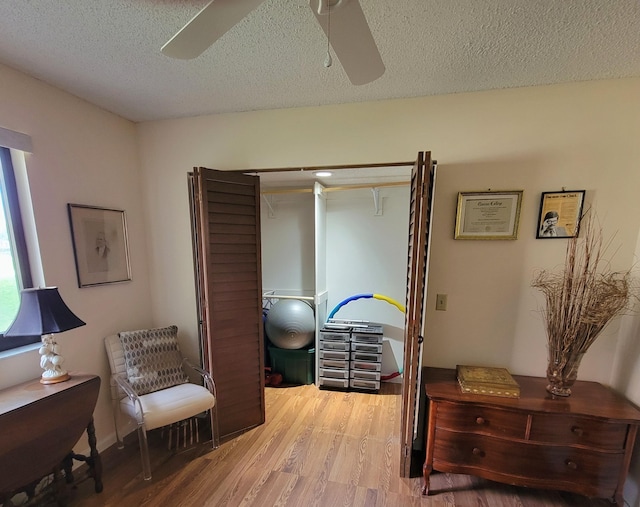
{"points": [[560, 214], [488, 215]]}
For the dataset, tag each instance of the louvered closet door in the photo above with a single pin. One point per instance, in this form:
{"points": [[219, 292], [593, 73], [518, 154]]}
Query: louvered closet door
{"points": [[226, 210], [419, 215]]}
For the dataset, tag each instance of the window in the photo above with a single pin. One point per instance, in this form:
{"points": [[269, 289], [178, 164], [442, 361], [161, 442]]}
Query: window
{"points": [[14, 260]]}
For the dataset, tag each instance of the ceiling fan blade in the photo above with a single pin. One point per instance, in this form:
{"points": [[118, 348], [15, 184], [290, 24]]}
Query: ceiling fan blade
{"points": [[206, 27], [351, 40]]}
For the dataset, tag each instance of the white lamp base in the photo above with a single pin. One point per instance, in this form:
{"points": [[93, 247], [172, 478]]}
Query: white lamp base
{"points": [[54, 380], [51, 361]]}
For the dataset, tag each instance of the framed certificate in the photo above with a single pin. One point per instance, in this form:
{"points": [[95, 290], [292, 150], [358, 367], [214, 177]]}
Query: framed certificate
{"points": [[488, 215], [560, 214]]}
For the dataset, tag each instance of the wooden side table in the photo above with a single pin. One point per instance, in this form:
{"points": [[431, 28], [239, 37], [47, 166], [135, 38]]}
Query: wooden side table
{"points": [[40, 424], [581, 444]]}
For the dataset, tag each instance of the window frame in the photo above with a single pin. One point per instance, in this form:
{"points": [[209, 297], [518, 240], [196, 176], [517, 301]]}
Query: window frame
{"points": [[18, 242]]}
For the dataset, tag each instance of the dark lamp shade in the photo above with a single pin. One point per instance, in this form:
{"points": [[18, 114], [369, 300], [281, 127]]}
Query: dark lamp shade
{"points": [[42, 311]]}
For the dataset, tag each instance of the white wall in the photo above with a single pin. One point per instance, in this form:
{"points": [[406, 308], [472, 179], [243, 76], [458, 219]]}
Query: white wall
{"points": [[81, 154], [625, 374], [368, 254], [365, 254], [288, 244]]}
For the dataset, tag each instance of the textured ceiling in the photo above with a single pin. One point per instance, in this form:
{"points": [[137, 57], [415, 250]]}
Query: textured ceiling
{"points": [[108, 52]]}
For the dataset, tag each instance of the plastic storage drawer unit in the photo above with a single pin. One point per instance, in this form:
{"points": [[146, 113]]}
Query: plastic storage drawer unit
{"points": [[366, 357], [334, 344]]}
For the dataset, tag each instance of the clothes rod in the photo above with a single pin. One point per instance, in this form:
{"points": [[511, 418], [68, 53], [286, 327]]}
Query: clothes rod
{"points": [[281, 296], [371, 185], [324, 167], [333, 189]]}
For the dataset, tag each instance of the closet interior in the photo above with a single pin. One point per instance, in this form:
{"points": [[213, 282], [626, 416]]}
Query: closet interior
{"points": [[337, 244]]}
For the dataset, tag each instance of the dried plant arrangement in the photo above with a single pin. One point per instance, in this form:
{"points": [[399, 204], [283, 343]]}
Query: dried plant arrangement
{"points": [[580, 301]]}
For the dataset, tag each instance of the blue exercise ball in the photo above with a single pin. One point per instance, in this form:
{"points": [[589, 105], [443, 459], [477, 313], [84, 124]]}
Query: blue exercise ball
{"points": [[290, 324]]}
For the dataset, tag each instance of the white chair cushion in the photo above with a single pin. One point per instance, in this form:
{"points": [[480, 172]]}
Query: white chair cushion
{"points": [[170, 405]]}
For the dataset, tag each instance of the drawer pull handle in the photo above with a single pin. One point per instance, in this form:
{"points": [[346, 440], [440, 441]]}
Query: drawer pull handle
{"points": [[576, 430], [480, 420], [572, 464], [478, 452]]}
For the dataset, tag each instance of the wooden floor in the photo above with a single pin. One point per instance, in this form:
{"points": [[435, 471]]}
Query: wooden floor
{"points": [[317, 448]]}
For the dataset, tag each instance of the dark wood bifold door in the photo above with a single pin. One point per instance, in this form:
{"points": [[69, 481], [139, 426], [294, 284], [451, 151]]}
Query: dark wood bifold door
{"points": [[422, 180], [226, 233]]}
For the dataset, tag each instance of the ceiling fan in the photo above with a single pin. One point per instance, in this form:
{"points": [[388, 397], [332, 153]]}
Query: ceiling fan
{"points": [[343, 22]]}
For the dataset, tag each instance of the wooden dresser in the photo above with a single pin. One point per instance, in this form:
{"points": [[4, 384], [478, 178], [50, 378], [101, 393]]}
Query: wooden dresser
{"points": [[581, 444]]}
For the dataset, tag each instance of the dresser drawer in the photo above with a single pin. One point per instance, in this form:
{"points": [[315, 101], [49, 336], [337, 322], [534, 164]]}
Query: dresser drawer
{"points": [[594, 473], [572, 429], [479, 419]]}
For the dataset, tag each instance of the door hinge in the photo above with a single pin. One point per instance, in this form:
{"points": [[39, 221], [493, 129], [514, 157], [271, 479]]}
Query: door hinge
{"points": [[406, 451]]}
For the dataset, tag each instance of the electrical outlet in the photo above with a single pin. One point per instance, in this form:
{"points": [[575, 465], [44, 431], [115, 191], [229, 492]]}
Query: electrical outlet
{"points": [[441, 302]]}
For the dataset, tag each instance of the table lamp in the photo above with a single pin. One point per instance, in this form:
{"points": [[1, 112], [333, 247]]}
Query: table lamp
{"points": [[43, 312]]}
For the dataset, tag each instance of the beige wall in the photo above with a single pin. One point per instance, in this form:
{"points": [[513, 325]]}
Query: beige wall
{"points": [[81, 154], [577, 136], [574, 136]]}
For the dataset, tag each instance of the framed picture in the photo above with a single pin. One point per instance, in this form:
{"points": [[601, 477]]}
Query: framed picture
{"points": [[560, 214], [488, 215], [100, 244]]}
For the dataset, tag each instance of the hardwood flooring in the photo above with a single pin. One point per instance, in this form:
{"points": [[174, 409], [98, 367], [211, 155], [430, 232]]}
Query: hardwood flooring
{"points": [[317, 448]]}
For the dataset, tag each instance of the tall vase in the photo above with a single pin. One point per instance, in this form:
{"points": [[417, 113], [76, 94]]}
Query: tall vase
{"points": [[562, 371]]}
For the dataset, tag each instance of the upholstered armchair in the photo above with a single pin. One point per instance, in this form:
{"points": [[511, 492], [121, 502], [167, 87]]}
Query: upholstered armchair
{"points": [[149, 384]]}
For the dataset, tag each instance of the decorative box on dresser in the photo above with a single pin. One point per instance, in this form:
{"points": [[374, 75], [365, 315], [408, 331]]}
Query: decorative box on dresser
{"points": [[582, 443]]}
